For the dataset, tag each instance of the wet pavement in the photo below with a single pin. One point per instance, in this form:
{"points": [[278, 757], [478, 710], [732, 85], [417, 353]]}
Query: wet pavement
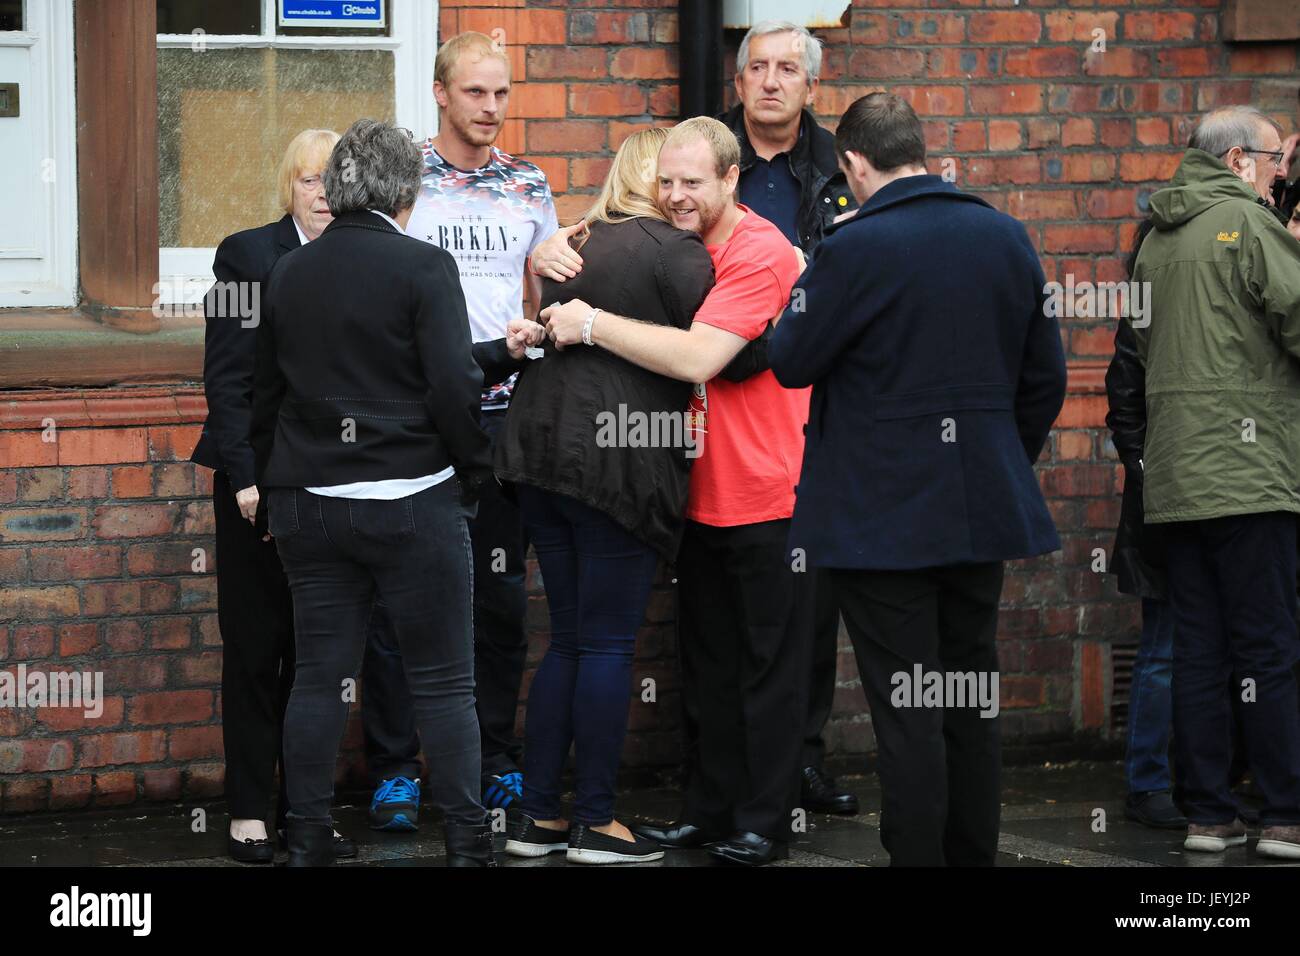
{"points": [[1054, 815]]}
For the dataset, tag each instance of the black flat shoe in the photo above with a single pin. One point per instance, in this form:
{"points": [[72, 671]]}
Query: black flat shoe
{"points": [[525, 838], [588, 846], [345, 848], [250, 850], [675, 836], [749, 849], [819, 794], [1155, 809]]}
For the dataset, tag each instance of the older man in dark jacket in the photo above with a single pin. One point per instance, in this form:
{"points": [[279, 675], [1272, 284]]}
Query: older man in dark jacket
{"points": [[937, 374], [790, 176]]}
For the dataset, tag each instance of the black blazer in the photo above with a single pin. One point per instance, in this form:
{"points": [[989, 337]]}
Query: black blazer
{"points": [[229, 346], [646, 269], [364, 365], [936, 377]]}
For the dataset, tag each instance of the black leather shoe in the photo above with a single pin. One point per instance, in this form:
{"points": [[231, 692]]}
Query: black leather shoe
{"points": [[676, 836], [310, 844], [345, 848], [469, 845], [819, 795], [250, 850], [749, 849], [1155, 809]]}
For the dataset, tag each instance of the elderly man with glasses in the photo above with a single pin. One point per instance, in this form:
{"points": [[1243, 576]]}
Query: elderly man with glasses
{"points": [[1221, 469]]}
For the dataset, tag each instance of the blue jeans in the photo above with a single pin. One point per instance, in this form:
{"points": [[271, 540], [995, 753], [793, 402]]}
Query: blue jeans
{"points": [[1151, 702], [598, 580]]}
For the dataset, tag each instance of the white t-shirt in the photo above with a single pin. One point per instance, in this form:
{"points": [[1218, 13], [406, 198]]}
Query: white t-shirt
{"points": [[388, 489], [490, 219]]}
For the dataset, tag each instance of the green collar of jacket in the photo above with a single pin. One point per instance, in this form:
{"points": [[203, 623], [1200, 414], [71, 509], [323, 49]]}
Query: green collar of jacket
{"points": [[1202, 181]]}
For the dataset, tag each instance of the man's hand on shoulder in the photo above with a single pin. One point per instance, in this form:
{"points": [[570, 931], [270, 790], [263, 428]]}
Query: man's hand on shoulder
{"points": [[555, 258]]}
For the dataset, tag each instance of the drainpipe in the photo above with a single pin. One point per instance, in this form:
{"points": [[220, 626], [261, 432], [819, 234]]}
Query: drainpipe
{"points": [[699, 28]]}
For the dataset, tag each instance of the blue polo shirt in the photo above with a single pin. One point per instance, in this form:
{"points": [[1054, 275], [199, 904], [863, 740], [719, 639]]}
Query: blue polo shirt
{"points": [[770, 189]]}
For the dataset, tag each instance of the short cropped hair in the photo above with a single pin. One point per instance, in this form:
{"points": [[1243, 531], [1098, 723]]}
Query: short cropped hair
{"points": [[374, 166], [1220, 130], [810, 47], [884, 130], [309, 151], [478, 45], [722, 141]]}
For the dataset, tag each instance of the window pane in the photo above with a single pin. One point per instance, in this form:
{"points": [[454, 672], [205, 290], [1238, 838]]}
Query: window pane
{"points": [[211, 16], [226, 116], [11, 14]]}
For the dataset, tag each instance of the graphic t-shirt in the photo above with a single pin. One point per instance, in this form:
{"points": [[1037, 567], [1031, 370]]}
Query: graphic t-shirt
{"points": [[490, 219], [752, 441]]}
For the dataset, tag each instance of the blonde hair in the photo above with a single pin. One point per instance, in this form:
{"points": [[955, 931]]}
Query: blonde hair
{"points": [[309, 150], [471, 41], [631, 186], [721, 140]]}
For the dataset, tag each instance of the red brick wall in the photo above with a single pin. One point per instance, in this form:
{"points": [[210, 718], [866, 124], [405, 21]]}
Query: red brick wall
{"points": [[97, 529]]}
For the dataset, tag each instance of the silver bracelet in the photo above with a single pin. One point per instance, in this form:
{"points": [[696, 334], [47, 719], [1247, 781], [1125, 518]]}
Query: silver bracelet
{"points": [[586, 328]]}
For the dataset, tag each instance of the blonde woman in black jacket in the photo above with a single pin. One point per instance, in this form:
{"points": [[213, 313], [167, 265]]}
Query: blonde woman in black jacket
{"points": [[600, 451]]}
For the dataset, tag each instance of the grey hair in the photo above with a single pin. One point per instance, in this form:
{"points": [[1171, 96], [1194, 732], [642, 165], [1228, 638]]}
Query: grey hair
{"points": [[811, 47], [1221, 129], [373, 166]]}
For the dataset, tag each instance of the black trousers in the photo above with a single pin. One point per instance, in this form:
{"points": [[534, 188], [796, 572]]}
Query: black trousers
{"points": [[939, 766], [500, 648], [255, 615], [414, 553], [825, 666], [744, 632], [1232, 586]]}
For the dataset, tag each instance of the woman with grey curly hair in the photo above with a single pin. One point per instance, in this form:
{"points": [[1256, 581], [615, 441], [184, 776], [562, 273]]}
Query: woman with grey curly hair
{"points": [[367, 440]]}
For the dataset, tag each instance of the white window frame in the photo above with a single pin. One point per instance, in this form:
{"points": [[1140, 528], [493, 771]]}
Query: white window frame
{"points": [[185, 273], [48, 33]]}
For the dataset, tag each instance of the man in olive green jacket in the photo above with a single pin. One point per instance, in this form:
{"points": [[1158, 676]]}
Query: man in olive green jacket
{"points": [[1221, 466]]}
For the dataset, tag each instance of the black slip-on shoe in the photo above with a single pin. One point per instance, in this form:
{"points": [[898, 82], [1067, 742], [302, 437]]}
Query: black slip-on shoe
{"points": [[250, 850], [675, 836], [525, 838], [749, 849], [1155, 808], [588, 846], [820, 795]]}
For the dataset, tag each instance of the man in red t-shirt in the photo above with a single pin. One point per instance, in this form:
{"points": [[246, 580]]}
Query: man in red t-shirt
{"points": [[746, 612]]}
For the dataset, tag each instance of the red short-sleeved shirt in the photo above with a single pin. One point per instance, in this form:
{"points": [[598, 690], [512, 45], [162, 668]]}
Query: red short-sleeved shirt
{"points": [[751, 448]]}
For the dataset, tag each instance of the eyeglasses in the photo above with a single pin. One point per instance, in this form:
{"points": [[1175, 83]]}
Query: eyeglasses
{"points": [[1274, 155], [411, 136]]}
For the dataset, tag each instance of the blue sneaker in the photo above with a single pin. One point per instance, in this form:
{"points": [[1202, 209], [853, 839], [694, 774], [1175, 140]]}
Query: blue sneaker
{"points": [[502, 789], [396, 805]]}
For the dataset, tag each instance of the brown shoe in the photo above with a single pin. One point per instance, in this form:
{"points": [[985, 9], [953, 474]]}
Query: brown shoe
{"points": [[1215, 839], [1281, 843]]}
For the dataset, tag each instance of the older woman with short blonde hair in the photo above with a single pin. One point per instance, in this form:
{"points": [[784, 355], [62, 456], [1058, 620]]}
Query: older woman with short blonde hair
{"points": [[254, 610]]}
